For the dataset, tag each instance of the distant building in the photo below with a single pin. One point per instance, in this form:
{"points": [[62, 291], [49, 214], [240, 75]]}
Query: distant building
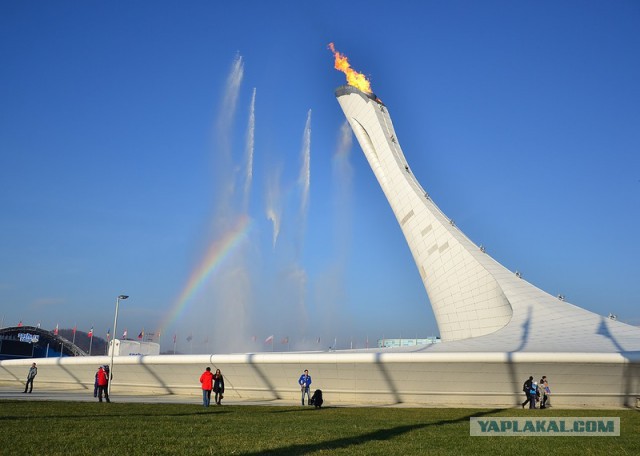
{"points": [[392, 343], [18, 342], [134, 348]]}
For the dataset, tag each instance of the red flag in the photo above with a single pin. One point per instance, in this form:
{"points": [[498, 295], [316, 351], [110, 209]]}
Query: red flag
{"points": [[269, 340], [55, 331], [90, 333], [141, 335], [74, 329], [20, 323]]}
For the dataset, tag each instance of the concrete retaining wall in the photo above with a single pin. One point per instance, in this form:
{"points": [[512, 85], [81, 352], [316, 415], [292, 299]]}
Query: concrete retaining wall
{"points": [[421, 379]]}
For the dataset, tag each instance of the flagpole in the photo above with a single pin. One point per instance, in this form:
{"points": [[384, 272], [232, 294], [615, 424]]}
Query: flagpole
{"points": [[74, 334], [90, 343]]}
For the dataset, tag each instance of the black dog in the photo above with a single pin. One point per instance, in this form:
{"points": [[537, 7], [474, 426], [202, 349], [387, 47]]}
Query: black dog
{"points": [[316, 399]]}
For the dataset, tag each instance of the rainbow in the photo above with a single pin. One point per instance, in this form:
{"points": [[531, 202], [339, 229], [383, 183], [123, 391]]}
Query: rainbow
{"points": [[218, 251]]}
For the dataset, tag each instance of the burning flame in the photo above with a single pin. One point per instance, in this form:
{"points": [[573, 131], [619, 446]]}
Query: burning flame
{"points": [[355, 79]]}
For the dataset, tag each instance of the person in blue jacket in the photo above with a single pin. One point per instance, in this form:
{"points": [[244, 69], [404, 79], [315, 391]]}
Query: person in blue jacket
{"points": [[305, 381]]}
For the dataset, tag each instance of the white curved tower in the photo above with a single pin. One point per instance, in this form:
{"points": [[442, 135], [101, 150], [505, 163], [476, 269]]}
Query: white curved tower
{"points": [[471, 294]]}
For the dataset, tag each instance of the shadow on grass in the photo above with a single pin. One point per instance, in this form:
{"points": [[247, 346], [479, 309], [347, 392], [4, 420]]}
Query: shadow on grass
{"points": [[100, 415], [382, 434], [306, 408]]}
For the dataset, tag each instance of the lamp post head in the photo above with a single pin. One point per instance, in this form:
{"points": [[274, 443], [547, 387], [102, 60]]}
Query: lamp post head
{"points": [[123, 297]]}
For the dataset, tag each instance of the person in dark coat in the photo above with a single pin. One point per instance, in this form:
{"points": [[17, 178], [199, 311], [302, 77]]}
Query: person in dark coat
{"points": [[95, 384], [526, 388], [218, 387], [33, 371]]}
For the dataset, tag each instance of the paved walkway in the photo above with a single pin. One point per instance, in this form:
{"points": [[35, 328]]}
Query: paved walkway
{"points": [[12, 393]]}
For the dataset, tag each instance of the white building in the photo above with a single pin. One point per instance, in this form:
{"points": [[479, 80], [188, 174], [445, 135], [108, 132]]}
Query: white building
{"points": [[133, 348], [407, 342]]}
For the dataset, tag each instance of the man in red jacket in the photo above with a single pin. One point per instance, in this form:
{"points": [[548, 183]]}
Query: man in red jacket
{"points": [[103, 383], [207, 385]]}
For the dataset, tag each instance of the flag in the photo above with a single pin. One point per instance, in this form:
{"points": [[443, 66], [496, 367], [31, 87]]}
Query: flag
{"points": [[90, 333], [269, 340], [108, 334], [75, 329], [55, 331], [190, 338], [38, 325], [19, 323], [285, 340], [318, 341], [124, 334], [141, 335]]}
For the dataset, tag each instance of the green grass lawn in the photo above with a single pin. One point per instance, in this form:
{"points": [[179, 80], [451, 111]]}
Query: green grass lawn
{"points": [[125, 429]]}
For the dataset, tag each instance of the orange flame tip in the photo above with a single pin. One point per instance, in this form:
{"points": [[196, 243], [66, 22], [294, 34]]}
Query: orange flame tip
{"points": [[355, 79]]}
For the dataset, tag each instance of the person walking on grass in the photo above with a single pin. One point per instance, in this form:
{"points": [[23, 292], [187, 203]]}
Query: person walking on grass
{"points": [[207, 384], [305, 381], [218, 387], [33, 371]]}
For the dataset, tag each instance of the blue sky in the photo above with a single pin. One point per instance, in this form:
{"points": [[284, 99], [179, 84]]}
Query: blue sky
{"points": [[125, 131]]}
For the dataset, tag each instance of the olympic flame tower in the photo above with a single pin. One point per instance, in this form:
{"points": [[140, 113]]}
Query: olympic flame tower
{"points": [[463, 283]]}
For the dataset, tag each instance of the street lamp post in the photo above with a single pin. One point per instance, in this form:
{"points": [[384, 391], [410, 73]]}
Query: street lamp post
{"points": [[113, 341]]}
